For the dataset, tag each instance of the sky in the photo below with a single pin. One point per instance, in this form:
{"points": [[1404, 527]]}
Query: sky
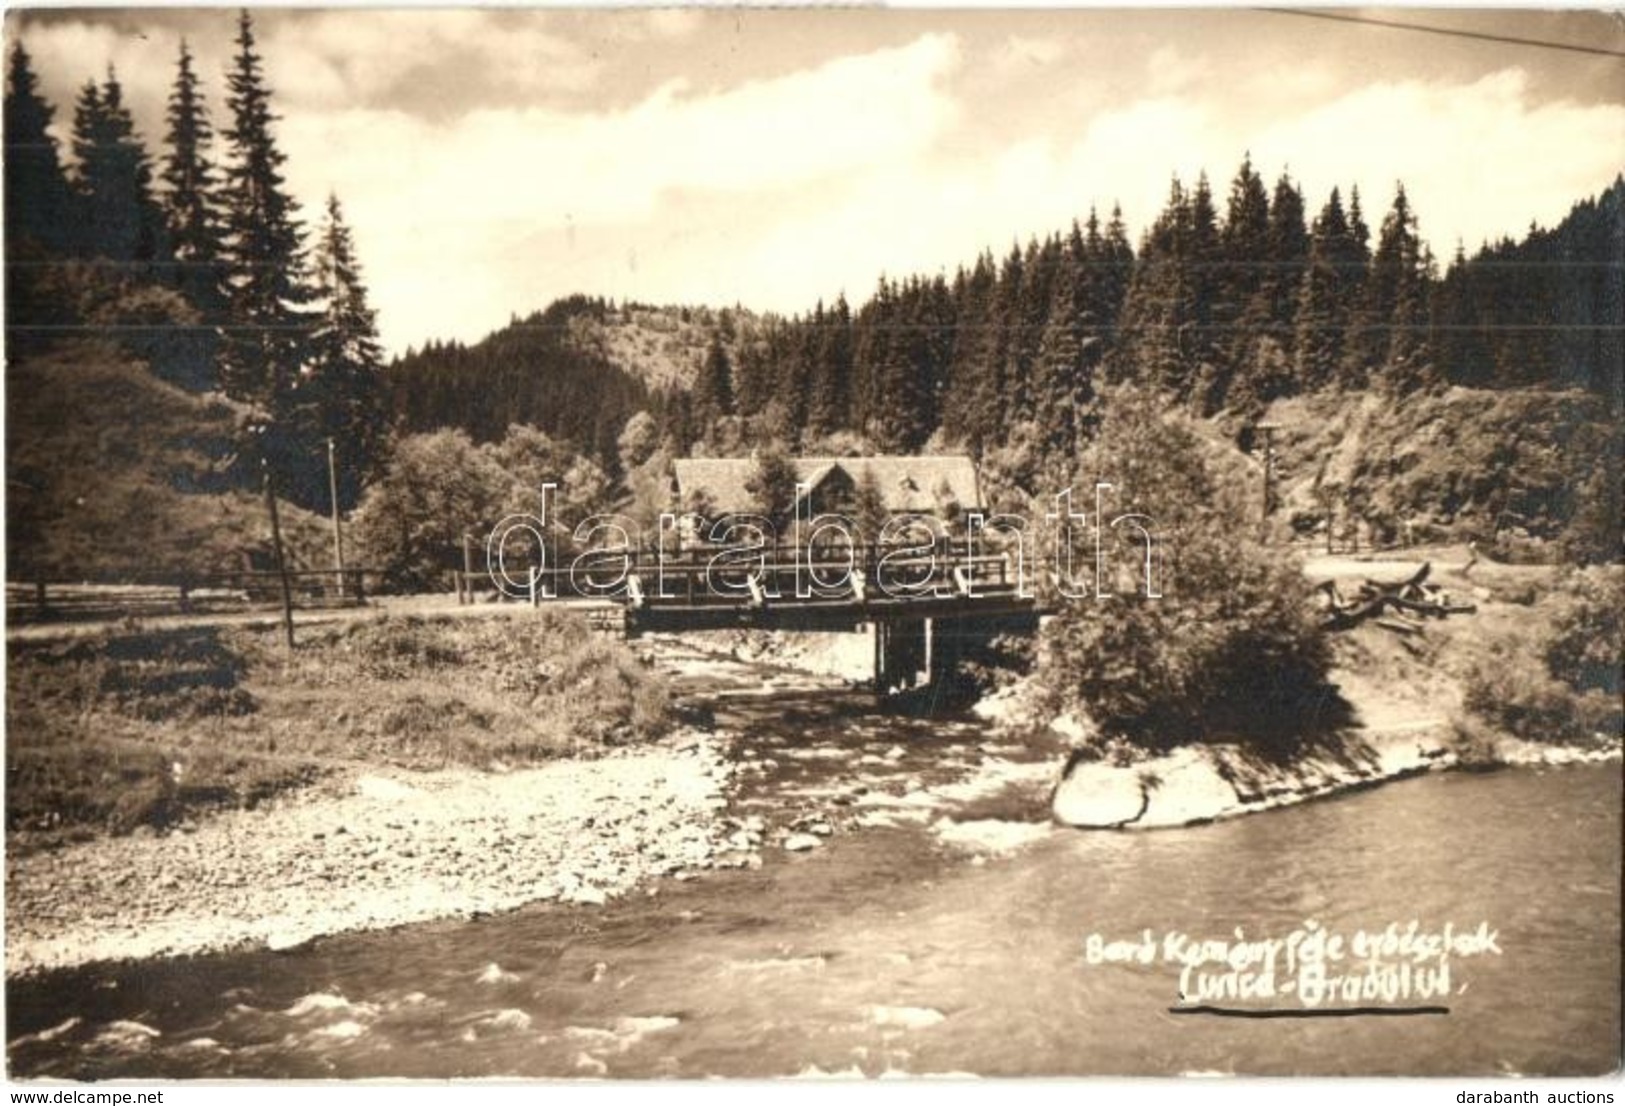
{"points": [[492, 160]]}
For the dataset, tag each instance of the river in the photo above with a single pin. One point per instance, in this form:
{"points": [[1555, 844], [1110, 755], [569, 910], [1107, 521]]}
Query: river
{"points": [[897, 946]]}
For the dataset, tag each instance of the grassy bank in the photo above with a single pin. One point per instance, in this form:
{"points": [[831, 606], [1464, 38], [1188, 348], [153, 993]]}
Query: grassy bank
{"points": [[1531, 677], [139, 727]]}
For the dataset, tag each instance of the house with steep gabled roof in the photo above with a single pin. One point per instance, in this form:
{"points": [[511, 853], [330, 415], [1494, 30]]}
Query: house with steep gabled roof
{"points": [[938, 486]]}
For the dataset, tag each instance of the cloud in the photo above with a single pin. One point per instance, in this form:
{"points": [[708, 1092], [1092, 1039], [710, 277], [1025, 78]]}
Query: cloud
{"points": [[1478, 160], [436, 206], [1022, 54], [491, 160], [671, 22], [434, 63], [360, 59], [1169, 71]]}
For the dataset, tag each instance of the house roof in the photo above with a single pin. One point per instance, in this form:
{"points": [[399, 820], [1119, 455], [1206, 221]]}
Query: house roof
{"points": [[907, 484]]}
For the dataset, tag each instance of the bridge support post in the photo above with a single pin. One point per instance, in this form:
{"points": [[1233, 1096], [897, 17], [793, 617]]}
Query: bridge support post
{"points": [[902, 653]]}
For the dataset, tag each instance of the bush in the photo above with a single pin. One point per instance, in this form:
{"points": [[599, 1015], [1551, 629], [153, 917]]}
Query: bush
{"points": [[1231, 648], [1559, 685], [1588, 631], [438, 487], [399, 648]]}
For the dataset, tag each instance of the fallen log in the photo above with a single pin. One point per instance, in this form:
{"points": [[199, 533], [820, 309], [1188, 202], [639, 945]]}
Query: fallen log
{"points": [[1413, 595]]}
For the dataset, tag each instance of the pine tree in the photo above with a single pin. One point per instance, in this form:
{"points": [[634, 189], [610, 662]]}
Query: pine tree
{"points": [[1203, 260], [1396, 299], [830, 388], [1060, 387], [933, 335], [38, 200], [122, 221], [189, 201], [1117, 267], [265, 338], [1241, 308], [1288, 255], [982, 401], [1457, 339], [897, 396], [1026, 320], [89, 137], [1162, 335], [772, 487], [1322, 313], [713, 390], [1366, 318], [343, 393], [753, 381], [40, 216], [973, 306], [1245, 242]]}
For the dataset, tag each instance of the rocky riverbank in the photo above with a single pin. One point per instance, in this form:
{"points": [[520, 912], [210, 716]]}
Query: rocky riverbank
{"points": [[1403, 720], [375, 851]]}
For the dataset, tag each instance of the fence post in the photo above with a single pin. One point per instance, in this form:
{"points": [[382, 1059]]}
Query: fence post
{"points": [[338, 532]]}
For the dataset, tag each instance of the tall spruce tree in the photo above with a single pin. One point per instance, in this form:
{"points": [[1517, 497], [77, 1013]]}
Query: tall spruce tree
{"points": [[1288, 254], [1325, 296], [1365, 331], [982, 394], [1396, 299], [973, 307], [1162, 326], [122, 221], [1026, 322], [38, 207], [265, 338], [829, 396], [1116, 264], [189, 201], [39, 210], [1241, 307], [896, 396], [823, 388], [713, 390], [1060, 385], [342, 396]]}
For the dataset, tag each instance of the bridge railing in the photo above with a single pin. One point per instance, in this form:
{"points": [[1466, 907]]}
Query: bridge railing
{"points": [[737, 577]]}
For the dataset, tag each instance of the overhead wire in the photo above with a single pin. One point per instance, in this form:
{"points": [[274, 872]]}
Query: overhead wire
{"points": [[1451, 32]]}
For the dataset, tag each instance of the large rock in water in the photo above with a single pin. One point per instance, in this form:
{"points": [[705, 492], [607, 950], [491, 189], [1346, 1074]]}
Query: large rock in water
{"points": [[1099, 796], [1188, 788]]}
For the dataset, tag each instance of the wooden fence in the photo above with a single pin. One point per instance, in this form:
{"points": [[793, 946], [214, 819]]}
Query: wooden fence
{"points": [[41, 601]]}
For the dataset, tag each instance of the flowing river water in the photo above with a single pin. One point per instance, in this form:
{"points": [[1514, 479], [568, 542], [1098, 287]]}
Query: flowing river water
{"points": [[940, 929]]}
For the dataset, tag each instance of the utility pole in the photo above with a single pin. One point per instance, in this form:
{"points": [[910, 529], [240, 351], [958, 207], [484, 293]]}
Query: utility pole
{"points": [[338, 532], [281, 562], [1268, 430]]}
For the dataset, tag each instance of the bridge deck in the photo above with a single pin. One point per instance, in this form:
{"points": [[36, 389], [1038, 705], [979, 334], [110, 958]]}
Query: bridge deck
{"points": [[823, 614]]}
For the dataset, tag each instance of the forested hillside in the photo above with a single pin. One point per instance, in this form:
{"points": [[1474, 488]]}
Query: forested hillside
{"points": [[1220, 311], [197, 264], [196, 267], [1224, 309]]}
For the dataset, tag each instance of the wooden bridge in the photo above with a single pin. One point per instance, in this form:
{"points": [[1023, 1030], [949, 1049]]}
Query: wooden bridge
{"points": [[926, 608]]}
